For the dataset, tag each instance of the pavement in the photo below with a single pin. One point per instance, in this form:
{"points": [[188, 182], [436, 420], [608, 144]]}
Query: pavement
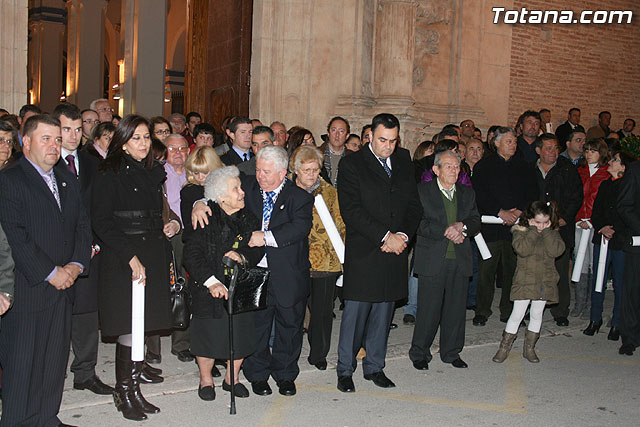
{"points": [[580, 381]]}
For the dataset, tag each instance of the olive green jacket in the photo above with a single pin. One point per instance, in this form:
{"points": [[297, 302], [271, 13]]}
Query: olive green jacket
{"points": [[536, 277]]}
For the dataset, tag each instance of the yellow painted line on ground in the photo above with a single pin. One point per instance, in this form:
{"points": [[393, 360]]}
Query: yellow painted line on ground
{"points": [[515, 389], [622, 362], [515, 399], [278, 411]]}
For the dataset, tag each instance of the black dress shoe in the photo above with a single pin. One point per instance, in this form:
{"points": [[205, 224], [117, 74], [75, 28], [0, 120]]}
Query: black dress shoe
{"points": [[345, 384], [393, 325], [148, 377], [261, 388], [409, 319], [215, 372], [421, 365], [207, 393], [183, 356], [95, 385], [149, 368], [239, 390], [614, 334], [286, 388], [626, 349], [379, 379], [562, 321], [459, 363], [321, 365], [153, 358], [479, 320]]}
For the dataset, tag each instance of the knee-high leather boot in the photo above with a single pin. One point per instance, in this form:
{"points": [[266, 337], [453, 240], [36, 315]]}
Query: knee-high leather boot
{"points": [[123, 394], [137, 396]]}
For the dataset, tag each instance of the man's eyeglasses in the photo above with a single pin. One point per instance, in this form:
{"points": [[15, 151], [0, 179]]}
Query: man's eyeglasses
{"points": [[180, 149], [162, 132], [9, 142]]}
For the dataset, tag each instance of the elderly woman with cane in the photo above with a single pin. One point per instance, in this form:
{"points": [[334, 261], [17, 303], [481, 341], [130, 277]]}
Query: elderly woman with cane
{"points": [[227, 234]]}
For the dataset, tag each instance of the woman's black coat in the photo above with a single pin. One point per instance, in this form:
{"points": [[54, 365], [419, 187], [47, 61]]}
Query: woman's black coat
{"points": [[132, 189], [204, 250]]}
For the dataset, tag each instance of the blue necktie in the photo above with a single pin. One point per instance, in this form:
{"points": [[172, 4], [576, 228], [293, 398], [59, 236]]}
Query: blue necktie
{"points": [[267, 209], [387, 169]]}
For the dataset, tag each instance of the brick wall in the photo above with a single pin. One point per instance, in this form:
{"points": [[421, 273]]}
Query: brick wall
{"points": [[594, 67]]}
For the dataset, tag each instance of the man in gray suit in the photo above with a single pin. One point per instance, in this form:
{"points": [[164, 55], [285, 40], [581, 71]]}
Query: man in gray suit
{"points": [[443, 262]]}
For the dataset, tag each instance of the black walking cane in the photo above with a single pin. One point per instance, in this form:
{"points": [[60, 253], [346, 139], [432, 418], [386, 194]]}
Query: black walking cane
{"points": [[232, 285]]}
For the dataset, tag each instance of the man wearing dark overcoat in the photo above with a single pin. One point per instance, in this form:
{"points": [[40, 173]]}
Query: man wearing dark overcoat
{"points": [[443, 262], [629, 211], [380, 207], [48, 230]]}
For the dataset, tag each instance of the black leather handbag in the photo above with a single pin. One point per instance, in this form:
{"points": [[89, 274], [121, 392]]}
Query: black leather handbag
{"points": [[247, 287], [180, 314]]}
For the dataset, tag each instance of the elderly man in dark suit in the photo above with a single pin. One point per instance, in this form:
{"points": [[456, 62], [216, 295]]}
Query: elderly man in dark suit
{"points": [[287, 214], [380, 207], [49, 233], [629, 211], [444, 262], [84, 321]]}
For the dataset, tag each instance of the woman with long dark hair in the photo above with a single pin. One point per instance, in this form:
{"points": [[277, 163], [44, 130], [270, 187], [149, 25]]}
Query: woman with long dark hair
{"points": [[127, 215]]}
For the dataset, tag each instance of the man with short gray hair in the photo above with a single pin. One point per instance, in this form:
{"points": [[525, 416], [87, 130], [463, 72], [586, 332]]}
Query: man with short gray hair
{"points": [[286, 212]]}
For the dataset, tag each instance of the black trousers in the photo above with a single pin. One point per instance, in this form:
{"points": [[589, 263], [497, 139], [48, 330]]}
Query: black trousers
{"points": [[280, 361], [84, 342], [442, 302], [364, 324], [630, 311], [34, 350], [321, 321], [561, 309], [501, 252]]}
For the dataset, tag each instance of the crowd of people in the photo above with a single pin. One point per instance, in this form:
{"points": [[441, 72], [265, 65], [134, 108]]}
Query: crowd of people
{"points": [[91, 202]]}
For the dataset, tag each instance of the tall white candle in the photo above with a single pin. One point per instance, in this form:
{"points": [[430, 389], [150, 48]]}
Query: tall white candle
{"points": [[482, 247], [330, 226], [137, 321], [602, 261]]}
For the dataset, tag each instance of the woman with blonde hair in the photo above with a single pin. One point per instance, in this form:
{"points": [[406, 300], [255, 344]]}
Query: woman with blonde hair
{"points": [[200, 163]]}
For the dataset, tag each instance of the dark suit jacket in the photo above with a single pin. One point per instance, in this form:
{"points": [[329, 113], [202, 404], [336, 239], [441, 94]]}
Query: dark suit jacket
{"points": [[431, 245], [502, 184], [564, 130], [42, 236], [290, 224], [371, 204], [86, 287], [629, 202], [231, 158]]}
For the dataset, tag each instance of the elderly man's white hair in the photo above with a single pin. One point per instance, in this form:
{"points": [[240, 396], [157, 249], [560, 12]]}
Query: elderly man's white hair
{"points": [[217, 183], [92, 106], [275, 154]]}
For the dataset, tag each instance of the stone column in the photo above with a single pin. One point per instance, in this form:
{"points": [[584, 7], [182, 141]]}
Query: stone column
{"points": [[85, 51], [144, 30], [47, 27], [13, 45], [395, 35]]}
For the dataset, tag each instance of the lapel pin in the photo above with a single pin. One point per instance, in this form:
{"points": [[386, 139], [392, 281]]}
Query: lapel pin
{"points": [[281, 207], [64, 184]]}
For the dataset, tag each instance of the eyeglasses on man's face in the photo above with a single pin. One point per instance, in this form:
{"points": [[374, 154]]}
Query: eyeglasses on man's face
{"points": [[182, 149], [162, 132]]}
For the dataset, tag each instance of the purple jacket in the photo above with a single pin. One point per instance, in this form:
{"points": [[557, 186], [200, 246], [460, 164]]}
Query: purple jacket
{"points": [[463, 178]]}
